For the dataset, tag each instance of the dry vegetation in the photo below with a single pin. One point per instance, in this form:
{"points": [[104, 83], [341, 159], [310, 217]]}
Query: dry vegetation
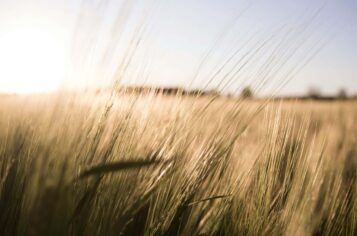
{"points": [[166, 165]]}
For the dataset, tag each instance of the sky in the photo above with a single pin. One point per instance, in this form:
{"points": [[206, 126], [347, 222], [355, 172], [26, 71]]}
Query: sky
{"points": [[202, 43], [193, 25]]}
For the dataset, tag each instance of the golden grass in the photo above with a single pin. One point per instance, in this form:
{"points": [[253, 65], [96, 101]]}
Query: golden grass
{"points": [[171, 165]]}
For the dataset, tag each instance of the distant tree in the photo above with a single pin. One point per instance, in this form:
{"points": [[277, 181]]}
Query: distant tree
{"points": [[314, 93], [247, 92], [342, 94], [213, 92], [229, 95]]}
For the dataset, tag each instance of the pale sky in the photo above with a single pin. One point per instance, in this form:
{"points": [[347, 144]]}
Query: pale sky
{"points": [[178, 35]]}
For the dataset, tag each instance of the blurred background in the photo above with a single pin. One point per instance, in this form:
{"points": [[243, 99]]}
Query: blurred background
{"points": [[284, 48]]}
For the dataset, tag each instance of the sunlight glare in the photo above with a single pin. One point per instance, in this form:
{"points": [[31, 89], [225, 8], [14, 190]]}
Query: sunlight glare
{"points": [[32, 60]]}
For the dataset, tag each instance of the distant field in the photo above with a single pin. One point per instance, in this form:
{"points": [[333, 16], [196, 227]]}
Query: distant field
{"points": [[170, 165]]}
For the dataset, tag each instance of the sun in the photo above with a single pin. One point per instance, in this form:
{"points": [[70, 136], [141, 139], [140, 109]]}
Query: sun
{"points": [[32, 59]]}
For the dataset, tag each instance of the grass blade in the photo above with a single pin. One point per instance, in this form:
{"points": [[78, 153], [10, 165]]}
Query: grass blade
{"points": [[117, 166], [208, 199]]}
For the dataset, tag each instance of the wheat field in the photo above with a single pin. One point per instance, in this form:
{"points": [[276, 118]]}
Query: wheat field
{"points": [[153, 164]]}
